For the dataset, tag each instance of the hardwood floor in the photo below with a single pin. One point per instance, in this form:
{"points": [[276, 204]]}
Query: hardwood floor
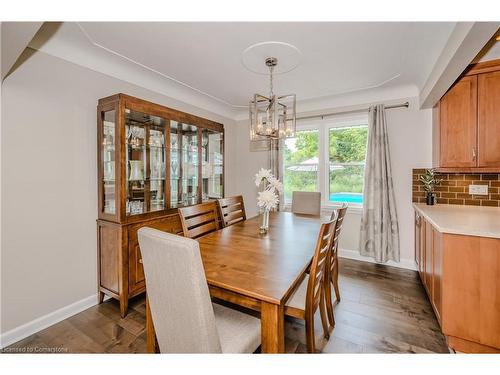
{"points": [[383, 310]]}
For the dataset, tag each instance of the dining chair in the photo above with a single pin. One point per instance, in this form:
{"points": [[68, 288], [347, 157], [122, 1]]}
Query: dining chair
{"points": [[184, 318], [309, 295], [231, 210], [199, 220], [332, 271], [306, 202]]}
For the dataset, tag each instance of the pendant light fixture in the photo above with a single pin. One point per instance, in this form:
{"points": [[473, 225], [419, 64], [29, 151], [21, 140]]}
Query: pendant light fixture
{"points": [[272, 117]]}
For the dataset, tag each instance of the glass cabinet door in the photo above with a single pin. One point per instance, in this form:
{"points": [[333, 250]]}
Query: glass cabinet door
{"points": [[212, 164], [184, 179], [108, 137], [145, 162]]}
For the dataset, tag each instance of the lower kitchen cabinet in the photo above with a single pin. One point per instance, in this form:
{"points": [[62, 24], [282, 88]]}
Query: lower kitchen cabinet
{"points": [[461, 275]]}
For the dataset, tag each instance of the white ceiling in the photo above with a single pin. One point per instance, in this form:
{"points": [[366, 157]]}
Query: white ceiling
{"points": [[205, 58]]}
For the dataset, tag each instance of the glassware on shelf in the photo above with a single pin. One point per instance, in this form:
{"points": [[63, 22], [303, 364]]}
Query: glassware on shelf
{"points": [[135, 137], [212, 177], [174, 166], [110, 206], [109, 170], [156, 138], [145, 157], [108, 162], [136, 170], [135, 207]]}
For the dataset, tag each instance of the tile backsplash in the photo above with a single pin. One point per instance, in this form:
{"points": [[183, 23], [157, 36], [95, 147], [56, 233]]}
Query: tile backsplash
{"points": [[454, 189]]}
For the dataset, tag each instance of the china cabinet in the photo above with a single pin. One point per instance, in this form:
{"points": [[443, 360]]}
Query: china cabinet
{"points": [[151, 161]]}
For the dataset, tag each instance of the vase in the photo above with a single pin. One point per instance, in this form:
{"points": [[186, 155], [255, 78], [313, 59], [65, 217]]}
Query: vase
{"points": [[264, 224], [136, 170], [430, 199]]}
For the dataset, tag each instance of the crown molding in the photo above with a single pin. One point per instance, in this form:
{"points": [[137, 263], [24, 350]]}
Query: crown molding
{"points": [[69, 42]]}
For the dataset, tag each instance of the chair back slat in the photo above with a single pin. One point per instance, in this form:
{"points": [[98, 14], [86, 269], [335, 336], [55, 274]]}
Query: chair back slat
{"points": [[199, 220], [231, 210], [202, 230], [318, 266], [195, 221]]}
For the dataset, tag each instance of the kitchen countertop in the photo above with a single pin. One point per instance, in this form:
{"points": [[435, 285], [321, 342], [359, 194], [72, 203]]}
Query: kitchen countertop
{"points": [[465, 220]]}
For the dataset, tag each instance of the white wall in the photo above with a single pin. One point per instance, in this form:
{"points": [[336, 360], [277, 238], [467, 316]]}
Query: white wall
{"points": [[49, 191], [247, 164]]}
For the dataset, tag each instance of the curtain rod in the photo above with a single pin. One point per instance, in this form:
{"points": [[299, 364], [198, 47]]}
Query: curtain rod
{"points": [[322, 116]]}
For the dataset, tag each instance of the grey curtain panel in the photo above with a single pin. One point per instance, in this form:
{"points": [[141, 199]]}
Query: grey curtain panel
{"points": [[379, 237]]}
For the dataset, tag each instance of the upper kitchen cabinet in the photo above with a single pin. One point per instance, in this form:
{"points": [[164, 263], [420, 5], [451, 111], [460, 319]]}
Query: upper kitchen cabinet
{"points": [[467, 122], [458, 124], [489, 119]]}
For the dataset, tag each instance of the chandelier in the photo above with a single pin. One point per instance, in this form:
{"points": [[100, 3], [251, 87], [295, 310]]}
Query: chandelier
{"points": [[272, 117]]}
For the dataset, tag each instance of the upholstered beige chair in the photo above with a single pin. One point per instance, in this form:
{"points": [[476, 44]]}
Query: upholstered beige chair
{"points": [[184, 318], [306, 202]]}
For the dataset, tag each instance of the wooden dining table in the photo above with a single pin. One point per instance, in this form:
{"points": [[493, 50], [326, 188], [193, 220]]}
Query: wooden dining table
{"points": [[258, 271]]}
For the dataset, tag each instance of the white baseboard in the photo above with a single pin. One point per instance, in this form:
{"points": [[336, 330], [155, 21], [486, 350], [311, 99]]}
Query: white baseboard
{"points": [[408, 264], [36, 325]]}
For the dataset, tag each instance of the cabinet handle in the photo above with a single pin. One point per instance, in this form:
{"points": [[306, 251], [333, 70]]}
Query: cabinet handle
{"points": [[473, 154], [140, 261]]}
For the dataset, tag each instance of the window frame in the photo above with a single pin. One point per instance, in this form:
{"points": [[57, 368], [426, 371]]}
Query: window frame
{"points": [[323, 179]]}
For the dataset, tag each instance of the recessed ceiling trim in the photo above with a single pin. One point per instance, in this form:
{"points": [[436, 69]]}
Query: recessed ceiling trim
{"points": [[296, 52], [155, 71], [357, 89]]}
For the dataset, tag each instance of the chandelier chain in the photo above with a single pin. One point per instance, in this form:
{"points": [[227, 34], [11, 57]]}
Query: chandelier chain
{"points": [[271, 68]]}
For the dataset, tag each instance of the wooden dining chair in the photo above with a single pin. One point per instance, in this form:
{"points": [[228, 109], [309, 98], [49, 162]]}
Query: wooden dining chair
{"points": [[332, 271], [199, 220], [309, 295], [184, 319], [231, 210], [306, 202]]}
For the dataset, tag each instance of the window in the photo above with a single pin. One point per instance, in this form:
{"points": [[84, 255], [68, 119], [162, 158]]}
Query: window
{"points": [[301, 155], [327, 157]]}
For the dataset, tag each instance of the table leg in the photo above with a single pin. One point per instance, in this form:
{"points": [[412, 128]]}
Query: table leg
{"points": [[272, 328], [151, 344]]}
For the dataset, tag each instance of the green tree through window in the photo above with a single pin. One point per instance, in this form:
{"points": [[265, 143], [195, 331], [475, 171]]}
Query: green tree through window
{"points": [[301, 162], [346, 154]]}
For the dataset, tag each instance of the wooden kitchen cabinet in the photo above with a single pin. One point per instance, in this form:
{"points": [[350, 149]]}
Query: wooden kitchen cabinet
{"points": [[428, 282], [466, 122], [437, 273], [461, 275], [420, 245], [489, 119], [458, 124]]}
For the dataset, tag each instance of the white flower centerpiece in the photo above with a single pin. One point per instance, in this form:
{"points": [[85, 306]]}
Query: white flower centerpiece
{"points": [[268, 198]]}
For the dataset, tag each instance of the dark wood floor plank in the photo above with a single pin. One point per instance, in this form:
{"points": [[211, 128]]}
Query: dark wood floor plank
{"points": [[383, 310]]}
